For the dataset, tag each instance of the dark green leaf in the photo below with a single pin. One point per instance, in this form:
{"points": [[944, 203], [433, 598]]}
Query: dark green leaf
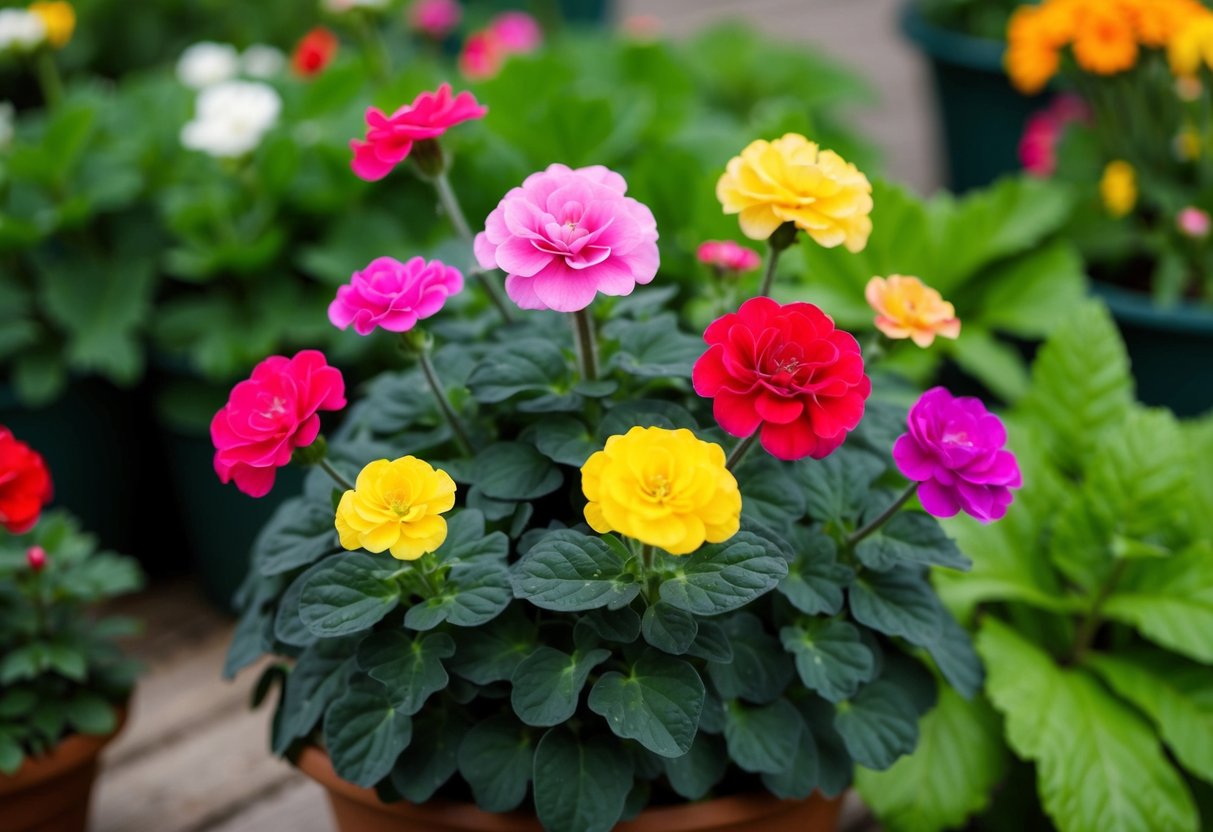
{"points": [[955, 657], [798, 780], [522, 366], [815, 580], [299, 533], [491, 653], [830, 657], [898, 603], [694, 774], [515, 471], [320, 675], [547, 684], [580, 783], [411, 668], [668, 628], [473, 594], [763, 739], [568, 571], [655, 348], [657, 703], [88, 713], [364, 733], [621, 625], [495, 759], [760, 669], [562, 439], [712, 644], [349, 594], [433, 756], [723, 577], [878, 725], [910, 537], [837, 486]]}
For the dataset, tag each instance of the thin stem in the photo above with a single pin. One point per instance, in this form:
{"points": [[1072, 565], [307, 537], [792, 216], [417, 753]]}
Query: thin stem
{"points": [[452, 418], [48, 78], [587, 347], [884, 517], [1085, 634], [768, 276], [740, 450], [336, 477], [450, 206]]}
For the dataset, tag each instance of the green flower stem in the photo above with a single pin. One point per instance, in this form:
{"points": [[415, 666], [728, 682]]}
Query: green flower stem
{"points": [[587, 345], [48, 77], [1085, 634], [450, 206], [740, 450], [333, 473], [452, 418], [781, 238], [884, 517], [768, 276]]}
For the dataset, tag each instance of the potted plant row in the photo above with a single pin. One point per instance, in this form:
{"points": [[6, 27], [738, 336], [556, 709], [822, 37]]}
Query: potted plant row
{"points": [[575, 568]]}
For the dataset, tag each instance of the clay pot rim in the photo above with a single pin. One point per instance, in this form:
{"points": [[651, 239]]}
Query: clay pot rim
{"points": [[702, 816], [72, 752]]}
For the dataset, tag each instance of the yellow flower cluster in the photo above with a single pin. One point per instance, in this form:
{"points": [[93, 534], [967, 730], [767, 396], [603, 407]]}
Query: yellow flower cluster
{"points": [[665, 488], [59, 18], [1118, 188], [1105, 36], [396, 506], [1192, 46], [793, 180]]}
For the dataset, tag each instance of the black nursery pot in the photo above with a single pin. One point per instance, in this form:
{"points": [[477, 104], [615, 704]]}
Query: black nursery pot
{"points": [[981, 115], [1171, 348]]}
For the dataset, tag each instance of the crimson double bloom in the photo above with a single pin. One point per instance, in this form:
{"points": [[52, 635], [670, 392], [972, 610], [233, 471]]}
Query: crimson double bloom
{"points": [[785, 370], [25, 484]]}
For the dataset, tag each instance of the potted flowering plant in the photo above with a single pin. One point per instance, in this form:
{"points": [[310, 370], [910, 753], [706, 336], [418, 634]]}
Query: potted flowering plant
{"points": [[63, 682], [527, 575], [1142, 216]]}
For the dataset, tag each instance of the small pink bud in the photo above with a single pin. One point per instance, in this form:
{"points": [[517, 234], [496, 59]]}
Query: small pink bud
{"points": [[1194, 222], [36, 558]]}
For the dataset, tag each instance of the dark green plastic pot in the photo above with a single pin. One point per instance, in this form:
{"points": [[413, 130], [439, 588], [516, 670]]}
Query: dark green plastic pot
{"points": [[577, 12], [982, 116], [1171, 348]]}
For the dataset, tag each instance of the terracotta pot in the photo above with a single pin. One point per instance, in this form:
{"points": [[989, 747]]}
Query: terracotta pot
{"points": [[360, 810], [51, 793]]}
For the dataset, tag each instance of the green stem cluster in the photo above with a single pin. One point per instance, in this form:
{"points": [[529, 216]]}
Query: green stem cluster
{"points": [[462, 438], [451, 207], [587, 345]]}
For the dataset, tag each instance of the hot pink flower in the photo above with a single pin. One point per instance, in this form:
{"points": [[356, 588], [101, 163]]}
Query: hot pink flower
{"points": [[35, 558], [567, 235], [271, 414], [435, 18], [1193, 222], [394, 295], [516, 32], [1038, 146], [482, 56], [726, 254], [390, 138]]}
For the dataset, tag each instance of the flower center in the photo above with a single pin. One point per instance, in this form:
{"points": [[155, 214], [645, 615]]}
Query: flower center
{"points": [[273, 408], [959, 439], [658, 486]]}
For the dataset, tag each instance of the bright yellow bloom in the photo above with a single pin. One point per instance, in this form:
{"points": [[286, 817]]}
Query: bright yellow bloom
{"points": [[1118, 187], [662, 487], [907, 308], [792, 180], [396, 506], [59, 18], [1104, 42], [1192, 46]]}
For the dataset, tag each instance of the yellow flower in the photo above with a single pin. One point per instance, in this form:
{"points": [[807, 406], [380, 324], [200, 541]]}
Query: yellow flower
{"points": [[1192, 46], [907, 308], [1118, 187], [792, 180], [1188, 144], [396, 506], [662, 487], [1104, 42], [59, 18]]}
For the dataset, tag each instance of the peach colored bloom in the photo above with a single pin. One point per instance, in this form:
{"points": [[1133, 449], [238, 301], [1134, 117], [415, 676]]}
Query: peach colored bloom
{"points": [[907, 308]]}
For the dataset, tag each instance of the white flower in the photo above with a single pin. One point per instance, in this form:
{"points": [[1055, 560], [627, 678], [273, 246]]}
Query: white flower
{"points": [[262, 61], [206, 63], [341, 6], [231, 118], [8, 126], [21, 30]]}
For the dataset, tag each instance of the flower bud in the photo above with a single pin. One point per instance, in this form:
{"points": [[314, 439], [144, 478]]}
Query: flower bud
{"points": [[35, 556]]}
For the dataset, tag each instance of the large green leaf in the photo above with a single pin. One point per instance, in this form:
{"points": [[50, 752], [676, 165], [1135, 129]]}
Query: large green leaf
{"points": [[764, 739], [580, 782], [950, 775], [1032, 295], [409, 666], [760, 669], [910, 537], [899, 602], [831, 657], [521, 366], [669, 628], [364, 733], [433, 756], [495, 759], [299, 533], [568, 571], [877, 725], [655, 348], [320, 675], [473, 593], [547, 684], [723, 577], [657, 703], [1099, 765], [1170, 600], [490, 653], [694, 774], [838, 486], [349, 594], [815, 580], [515, 471]]}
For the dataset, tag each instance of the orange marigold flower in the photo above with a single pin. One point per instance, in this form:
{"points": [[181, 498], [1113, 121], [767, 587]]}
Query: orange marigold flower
{"points": [[1031, 68], [907, 308], [1105, 42]]}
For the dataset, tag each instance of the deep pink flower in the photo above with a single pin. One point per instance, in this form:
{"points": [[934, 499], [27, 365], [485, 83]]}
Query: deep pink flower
{"points": [[726, 254], [271, 414], [482, 56], [517, 33], [566, 235], [35, 558], [787, 370], [1043, 132], [390, 138], [1194, 223], [394, 296], [435, 18], [955, 450]]}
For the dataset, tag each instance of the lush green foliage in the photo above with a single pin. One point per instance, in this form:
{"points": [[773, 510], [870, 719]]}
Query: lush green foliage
{"points": [[60, 671], [1093, 601]]}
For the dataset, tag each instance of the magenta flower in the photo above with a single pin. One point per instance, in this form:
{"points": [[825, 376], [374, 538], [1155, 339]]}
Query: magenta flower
{"points": [[1044, 131], [394, 296], [517, 33], [955, 450], [389, 139], [435, 18], [727, 255], [482, 56], [567, 235]]}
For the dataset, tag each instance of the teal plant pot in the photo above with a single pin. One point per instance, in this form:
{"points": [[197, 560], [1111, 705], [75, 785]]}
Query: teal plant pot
{"points": [[1171, 348], [576, 12], [981, 116]]}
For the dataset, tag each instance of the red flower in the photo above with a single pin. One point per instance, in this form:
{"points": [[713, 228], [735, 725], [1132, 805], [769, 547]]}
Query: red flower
{"points": [[314, 52], [787, 370], [270, 415], [25, 484]]}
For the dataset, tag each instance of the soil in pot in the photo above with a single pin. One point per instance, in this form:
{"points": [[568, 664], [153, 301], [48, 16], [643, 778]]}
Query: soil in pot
{"points": [[52, 793], [360, 810]]}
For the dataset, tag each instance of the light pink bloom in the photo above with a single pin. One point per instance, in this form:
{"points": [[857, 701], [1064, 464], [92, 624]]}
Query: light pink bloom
{"points": [[566, 235], [726, 254], [482, 57], [1194, 222], [390, 138], [435, 18], [517, 33], [394, 296]]}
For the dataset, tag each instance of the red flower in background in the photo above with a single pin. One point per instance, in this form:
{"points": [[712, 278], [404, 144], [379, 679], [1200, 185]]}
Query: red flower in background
{"points": [[314, 52], [787, 371], [25, 484], [271, 414]]}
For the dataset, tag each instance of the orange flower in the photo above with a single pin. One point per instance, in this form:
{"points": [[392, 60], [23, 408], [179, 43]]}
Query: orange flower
{"points": [[1157, 21], [1105, 42], [907, 308], [1031, 67], [1035, 36]]}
